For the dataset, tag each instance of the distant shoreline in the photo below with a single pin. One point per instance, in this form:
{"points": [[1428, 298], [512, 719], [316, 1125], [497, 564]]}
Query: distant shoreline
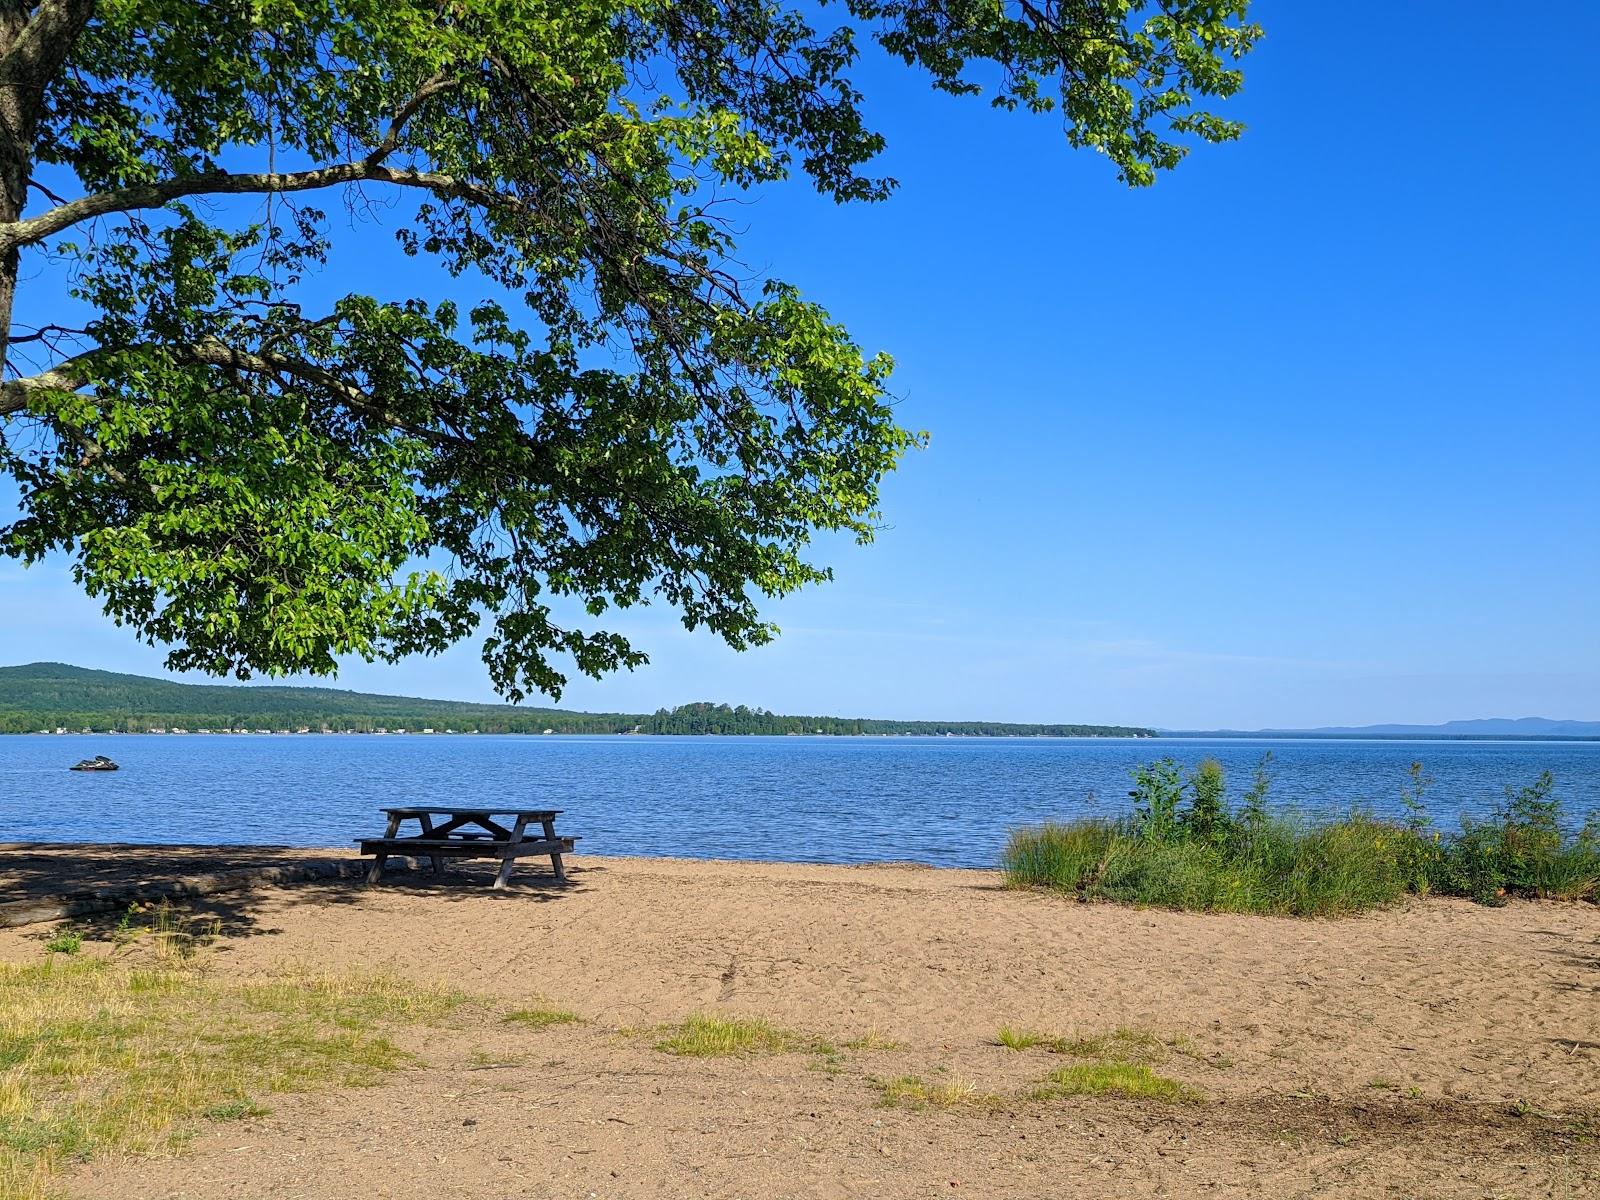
{"points": [[1377, 737], [1532, 738], [56, 697]]}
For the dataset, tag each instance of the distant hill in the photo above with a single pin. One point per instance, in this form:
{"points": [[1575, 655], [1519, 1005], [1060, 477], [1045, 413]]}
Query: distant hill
{"points": [[54, 695], [1489, 727], [1486, 727]]}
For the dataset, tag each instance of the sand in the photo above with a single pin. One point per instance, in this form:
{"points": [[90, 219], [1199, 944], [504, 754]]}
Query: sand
{"points": [[1483, 1025]]}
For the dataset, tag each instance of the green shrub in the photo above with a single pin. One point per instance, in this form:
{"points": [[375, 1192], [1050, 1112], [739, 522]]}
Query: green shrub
{"points": [[1157, 793], [1201, 856], [1206, 818], [1472, 864], [1420, 854], [1530, 835], [1253, 812], [1521, 851]]}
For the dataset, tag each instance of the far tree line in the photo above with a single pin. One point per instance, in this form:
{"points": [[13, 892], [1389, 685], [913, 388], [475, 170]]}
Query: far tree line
{"points": [[686, 719]]}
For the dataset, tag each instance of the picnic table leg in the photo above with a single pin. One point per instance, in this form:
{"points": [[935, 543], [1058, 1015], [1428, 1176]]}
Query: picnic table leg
{"points": [[555, 855], [436, 859], [506, 863], [377, 863]]}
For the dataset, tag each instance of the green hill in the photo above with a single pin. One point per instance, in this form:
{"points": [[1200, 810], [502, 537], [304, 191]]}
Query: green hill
{"points": [[54, 695]]}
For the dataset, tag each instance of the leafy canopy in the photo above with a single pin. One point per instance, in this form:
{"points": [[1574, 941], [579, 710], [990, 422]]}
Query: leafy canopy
{"points": [[626, 415]]}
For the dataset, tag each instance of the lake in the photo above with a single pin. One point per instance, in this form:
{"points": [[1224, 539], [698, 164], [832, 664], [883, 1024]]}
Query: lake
{"points": [[944, 801]]}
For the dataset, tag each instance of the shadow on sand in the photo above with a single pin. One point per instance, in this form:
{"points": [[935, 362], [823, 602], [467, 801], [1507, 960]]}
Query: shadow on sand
{"points": [[230, 888]]}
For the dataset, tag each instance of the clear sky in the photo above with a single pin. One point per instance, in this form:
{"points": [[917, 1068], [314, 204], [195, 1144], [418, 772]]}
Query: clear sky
{"points": [[1306, 434]]}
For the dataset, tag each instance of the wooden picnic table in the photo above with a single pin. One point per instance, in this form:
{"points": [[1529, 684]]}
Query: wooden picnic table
{"points": [[451, 832]]}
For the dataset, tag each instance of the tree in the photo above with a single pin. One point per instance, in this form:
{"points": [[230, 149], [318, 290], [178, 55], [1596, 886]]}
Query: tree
{"points": [[264, 485]]}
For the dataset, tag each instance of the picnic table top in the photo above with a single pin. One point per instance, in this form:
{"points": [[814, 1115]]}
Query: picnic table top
{"points": [[459, 811]]}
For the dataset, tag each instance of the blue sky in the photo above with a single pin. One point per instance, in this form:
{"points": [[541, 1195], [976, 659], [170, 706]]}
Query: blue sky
{"points": [[1306, 434]]}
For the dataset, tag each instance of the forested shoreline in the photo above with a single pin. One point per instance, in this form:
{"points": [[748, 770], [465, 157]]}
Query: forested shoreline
{"points": [[46, 697]]}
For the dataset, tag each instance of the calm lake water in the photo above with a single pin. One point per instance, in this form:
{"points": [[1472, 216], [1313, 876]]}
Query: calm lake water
{"points": [[945, 801]]}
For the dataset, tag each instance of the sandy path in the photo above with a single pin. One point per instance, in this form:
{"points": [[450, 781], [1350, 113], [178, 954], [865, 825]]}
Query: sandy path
{"points": [[1464, 1009]]}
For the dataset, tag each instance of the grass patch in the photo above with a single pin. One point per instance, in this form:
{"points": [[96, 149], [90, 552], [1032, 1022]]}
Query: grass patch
{"points": [[234, 1110], [543, 1018], [1123, 1044], [482, 1059], [704, 1036], [99, 1056], [1135, 1080], [1021, 1039], [869, 1041], [353, 1001], [1184, 847], [910, 1091], [68, 941]]}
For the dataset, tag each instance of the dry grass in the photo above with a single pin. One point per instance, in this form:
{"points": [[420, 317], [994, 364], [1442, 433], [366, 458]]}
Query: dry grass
{"points": [[1120, 1045], [173, 934], [912, 1092], [101, 1056]]}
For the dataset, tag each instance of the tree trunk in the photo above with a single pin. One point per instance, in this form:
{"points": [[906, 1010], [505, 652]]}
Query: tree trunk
{"points": [[16, 138], [35, 39]]}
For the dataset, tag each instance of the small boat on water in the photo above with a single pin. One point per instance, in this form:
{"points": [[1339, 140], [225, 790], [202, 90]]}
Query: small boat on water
{"points": [[98, 763]]}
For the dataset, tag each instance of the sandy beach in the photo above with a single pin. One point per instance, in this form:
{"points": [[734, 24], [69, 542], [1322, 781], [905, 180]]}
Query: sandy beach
{"points": [[1438, 1049]]}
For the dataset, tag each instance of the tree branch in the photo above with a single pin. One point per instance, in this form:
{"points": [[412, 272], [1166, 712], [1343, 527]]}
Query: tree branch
{"points": [[152, 195], [440, 82], [22, 233], [74, 373]]}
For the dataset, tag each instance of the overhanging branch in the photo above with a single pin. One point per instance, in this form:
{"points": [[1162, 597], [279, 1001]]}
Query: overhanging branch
{"points": [[76, 372], [65, 377], [153, 195], [19, 233]]}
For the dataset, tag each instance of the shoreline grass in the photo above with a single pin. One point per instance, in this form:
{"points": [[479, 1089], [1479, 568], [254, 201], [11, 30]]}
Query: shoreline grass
{"points": [[1183, 847]]}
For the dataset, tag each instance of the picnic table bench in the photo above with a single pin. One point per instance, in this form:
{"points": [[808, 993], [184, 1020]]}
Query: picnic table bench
{"points": [[449, 832]]}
